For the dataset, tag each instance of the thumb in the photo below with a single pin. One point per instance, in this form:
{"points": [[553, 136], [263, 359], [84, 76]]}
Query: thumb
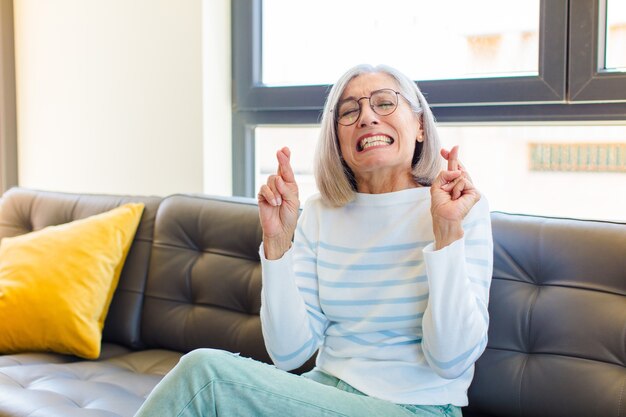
{"points": [[445, 177]]}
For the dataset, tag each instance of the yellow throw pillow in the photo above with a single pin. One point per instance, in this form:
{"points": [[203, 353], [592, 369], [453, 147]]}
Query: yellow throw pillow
{"points": [[56, 284]]}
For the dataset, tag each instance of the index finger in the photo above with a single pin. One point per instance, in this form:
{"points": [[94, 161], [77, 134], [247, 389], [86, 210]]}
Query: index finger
{"points": [[284, 166], [453, 159]]}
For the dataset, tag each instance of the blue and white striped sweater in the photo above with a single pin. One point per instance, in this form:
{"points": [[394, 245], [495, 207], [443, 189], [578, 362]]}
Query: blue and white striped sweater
{"points": [[390, 316]]}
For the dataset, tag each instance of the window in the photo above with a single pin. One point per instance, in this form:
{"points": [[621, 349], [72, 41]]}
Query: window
{"points": [[401, 35], [573, 97]]}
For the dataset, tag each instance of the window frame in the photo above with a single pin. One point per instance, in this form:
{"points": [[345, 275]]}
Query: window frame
{"points": [[546, 97], [8, 118], [589, 81]]}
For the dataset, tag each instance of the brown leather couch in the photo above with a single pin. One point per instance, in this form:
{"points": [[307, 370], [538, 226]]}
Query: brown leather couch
{"points": [[557, 339]]}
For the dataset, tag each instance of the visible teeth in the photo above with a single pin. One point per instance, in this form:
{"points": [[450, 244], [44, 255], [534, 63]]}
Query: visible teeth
{"points": [[374, 141]]}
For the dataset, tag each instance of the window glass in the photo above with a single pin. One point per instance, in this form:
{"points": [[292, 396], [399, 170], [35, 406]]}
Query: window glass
{"points": [[562, 170], [308, 43], [301, 141], [616, 35], [329, 36]]}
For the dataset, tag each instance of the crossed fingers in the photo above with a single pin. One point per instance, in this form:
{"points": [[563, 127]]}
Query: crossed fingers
{"points": [[455, 180], [282, 185]]}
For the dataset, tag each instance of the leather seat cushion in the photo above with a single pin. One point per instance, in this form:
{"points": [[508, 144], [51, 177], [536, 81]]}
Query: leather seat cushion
{"points": [[112, 387]]}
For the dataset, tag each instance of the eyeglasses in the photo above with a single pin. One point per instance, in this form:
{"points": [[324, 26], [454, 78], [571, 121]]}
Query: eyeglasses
{"points": [[382, 102]]}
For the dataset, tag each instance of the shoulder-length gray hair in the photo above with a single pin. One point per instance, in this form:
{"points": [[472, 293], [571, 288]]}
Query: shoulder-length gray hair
{"points": [[334, 178]]}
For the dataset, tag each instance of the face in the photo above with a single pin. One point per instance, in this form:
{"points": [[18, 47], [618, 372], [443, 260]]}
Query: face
{"points": [[378, 147]]}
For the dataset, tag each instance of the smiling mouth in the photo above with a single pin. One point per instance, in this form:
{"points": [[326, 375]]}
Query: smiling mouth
{"points": [[371, 141]]}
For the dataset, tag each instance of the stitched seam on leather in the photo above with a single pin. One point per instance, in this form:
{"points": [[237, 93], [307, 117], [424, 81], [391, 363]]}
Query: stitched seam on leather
{"points": [[621, 397], [573, 287], [30, 214], [521, 380], [13, 379], [195, 304], [530, 317], [211, 252], [73, 209], [531, 309], [556, 354]]}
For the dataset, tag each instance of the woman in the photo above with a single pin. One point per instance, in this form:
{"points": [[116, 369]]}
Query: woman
{"points": [[387, 278]]}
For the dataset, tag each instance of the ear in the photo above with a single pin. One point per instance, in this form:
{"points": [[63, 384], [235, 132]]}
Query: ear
{"points": [[420, 133]]}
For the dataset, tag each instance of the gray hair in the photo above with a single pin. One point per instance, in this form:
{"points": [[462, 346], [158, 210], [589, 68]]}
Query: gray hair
{"points": [[334, 178]]}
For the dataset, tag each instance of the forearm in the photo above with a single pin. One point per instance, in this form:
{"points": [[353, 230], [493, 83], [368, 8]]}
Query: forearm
{"points": [[456, 320], [285, 320]]}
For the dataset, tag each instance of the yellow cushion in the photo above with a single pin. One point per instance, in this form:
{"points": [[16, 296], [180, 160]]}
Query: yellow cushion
{"points": [[56, 284]]}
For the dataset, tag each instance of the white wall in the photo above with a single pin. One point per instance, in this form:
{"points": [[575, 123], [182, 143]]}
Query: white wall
{"points": [[217, 109], [110, 96], [8, 123]]}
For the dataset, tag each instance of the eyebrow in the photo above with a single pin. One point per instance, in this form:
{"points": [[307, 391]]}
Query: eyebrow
{"points": [[346, 99], [371, 92]]}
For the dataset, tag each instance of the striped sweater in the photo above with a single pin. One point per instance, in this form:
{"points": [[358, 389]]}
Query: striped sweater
{"points": [[390, 316]]}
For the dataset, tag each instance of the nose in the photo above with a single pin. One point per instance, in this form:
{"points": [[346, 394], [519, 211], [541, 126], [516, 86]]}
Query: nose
{"points": [[367, 116]]}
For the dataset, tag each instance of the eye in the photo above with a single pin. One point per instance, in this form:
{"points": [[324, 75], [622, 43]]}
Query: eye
{"points": [[384, 104], [348, 112], [348, 109]]}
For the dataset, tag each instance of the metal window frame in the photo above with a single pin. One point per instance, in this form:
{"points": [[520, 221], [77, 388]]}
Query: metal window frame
{"points": [[589, 81]]}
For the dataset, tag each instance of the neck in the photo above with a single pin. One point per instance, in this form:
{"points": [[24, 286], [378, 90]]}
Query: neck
{"points": [[379, 184]]}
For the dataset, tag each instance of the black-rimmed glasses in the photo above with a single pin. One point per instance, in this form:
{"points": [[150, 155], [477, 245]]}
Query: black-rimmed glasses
{"points": [[382, 102]]}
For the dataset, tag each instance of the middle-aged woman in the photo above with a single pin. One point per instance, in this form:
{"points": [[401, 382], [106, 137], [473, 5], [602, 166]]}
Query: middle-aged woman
{"points": [[387, 277]]}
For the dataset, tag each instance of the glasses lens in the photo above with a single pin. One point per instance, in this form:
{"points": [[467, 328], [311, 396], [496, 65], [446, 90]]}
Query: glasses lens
{"points": [[384, 102], [348, 112]]}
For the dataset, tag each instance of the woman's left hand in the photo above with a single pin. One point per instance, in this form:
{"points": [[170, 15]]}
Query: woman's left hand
{"points": [[452, 196]]}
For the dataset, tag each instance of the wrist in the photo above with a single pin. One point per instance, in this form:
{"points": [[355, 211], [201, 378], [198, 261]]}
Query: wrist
{"points": [[275, 248], [446, 232]]}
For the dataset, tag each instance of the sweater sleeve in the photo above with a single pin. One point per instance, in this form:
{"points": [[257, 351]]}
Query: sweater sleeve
{"points": [[456, 319], [291, 317]]}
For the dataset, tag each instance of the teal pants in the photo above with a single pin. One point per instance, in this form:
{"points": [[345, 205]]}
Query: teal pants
{"points": [[210, 382]]}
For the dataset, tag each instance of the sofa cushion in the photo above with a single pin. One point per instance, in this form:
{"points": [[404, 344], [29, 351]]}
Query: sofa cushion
{"points": [[108, 388], [205, 277], [23, 210]]}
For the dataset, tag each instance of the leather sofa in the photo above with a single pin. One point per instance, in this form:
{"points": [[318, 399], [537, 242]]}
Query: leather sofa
{"points": [[557, 338]]}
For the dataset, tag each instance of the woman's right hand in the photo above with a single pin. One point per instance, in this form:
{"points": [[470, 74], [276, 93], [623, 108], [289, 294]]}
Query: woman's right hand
{"points": [[278, 208]]}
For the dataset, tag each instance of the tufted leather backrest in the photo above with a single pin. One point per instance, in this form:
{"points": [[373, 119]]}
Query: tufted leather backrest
{"points": [[23, 210], [205, 277], [557, 336]]}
